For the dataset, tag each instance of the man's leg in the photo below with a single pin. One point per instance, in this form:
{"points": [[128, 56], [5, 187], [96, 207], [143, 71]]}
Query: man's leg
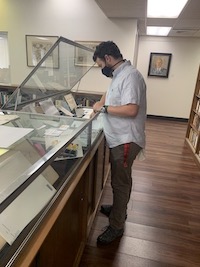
{"points": [[121, 158]]}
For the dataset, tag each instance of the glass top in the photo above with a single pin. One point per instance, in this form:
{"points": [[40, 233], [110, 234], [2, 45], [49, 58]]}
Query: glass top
{"points": [[30, 142], [55, 75], [34, 138]]}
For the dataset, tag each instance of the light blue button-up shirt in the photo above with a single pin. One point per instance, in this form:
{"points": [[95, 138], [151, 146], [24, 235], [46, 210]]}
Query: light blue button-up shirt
{"points": [[127, 87]]}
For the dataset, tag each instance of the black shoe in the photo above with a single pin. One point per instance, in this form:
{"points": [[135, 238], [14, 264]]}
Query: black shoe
{"points": [[106, 210], [109, 235]]}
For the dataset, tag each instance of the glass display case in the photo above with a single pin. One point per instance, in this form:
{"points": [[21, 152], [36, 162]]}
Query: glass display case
{"points": [[55, 75], [38, 156], [43, 141]]}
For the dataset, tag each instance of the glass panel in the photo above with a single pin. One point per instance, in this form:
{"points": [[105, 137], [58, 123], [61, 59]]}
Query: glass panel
{"points": [[56, 74], [38, 139], [46, 155], [97, 127]]}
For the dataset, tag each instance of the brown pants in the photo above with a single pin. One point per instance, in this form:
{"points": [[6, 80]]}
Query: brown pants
{"points": [[121, 159]]}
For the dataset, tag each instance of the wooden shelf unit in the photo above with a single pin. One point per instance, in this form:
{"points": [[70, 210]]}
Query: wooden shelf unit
{"points": [[193, 129], [5, 93]]}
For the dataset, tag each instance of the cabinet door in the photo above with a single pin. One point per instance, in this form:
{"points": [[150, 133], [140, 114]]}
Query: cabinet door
{"points": [[66, 239]]}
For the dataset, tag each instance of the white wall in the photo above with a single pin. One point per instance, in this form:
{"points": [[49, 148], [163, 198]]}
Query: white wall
{"points": [[171, 96], [80, 20]]}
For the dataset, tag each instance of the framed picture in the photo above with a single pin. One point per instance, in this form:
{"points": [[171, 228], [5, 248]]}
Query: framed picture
{"points": [[37, 46], [159, 64], [81, 56]]}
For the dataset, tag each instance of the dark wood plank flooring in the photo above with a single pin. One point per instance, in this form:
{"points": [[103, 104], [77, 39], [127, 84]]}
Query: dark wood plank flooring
{"points": [[163, 224]]}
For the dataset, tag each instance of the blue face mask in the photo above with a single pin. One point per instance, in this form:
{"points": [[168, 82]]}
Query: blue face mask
{"points": [[107, 71]]}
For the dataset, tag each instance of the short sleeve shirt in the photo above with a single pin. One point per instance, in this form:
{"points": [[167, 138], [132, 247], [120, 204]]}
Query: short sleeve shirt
{"points": [[127, 87]]}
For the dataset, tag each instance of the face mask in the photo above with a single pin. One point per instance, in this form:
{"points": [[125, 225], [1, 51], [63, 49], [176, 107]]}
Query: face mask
{"points": [[107, 71]]}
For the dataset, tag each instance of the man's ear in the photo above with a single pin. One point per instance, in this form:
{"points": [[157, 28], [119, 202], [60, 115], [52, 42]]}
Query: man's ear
{"points": [[107, 58]]}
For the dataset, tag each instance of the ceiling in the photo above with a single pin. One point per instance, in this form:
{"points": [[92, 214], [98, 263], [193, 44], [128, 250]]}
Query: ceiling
{"points": [[186, 25]]}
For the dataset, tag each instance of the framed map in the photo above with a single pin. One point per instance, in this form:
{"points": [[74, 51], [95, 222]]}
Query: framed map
{"points": [[37, 46], [81, 55]]}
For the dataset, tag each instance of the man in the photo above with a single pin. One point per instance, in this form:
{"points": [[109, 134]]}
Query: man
{"points": [[124, 108], [159, 70]]}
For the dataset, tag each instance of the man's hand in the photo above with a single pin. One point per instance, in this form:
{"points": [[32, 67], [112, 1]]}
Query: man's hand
{"points": [[97, 107]]}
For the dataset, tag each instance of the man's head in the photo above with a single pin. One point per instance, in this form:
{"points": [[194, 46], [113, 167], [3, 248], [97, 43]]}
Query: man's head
{"points": [[159, 62], [107, 55]]}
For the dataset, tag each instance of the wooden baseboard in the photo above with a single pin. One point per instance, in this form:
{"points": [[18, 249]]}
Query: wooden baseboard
{"points": [[167, 118]]}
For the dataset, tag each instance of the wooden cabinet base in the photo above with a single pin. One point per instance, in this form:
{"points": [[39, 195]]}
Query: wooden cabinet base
{"points": [[65, 241]]}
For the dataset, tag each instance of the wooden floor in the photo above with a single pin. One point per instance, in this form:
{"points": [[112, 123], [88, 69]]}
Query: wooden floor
{"points": [[163, 224]]}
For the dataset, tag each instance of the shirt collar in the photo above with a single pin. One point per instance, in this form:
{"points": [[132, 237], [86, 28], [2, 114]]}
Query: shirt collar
{"points": [[121, 67]]}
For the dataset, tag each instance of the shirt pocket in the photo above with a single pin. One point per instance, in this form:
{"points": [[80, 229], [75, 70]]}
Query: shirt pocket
{"points": [[114, 98]]}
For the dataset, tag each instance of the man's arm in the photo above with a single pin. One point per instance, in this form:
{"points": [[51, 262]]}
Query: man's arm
{"points": [[129, 110], [98, 105]]}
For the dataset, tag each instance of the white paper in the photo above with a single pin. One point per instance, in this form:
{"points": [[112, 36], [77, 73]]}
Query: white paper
{"points": [[48, 107], [10, 171], [88, 112], [10, 135], [24, 208], [52, 140], [6, 118], [70, 101], [65, 111]]}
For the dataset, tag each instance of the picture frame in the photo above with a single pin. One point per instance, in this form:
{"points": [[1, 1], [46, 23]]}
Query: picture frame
{"points": [[37, 46], [159, 64], [80, 55]]}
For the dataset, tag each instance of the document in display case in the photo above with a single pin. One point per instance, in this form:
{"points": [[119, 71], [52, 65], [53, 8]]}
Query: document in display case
{"points": [[24, 208]]}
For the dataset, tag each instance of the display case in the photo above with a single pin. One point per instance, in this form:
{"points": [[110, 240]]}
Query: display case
{"points": [[52, 163], [39, 154], [60, 70]]}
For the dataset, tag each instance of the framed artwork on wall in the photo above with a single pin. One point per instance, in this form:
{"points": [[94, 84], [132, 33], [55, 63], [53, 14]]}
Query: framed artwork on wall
{"points": [[37, 46], [159, 64], [81, 57]]}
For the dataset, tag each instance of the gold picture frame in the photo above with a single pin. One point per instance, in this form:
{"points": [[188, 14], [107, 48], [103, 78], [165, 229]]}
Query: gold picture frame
{"points": [[37, 46]]}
